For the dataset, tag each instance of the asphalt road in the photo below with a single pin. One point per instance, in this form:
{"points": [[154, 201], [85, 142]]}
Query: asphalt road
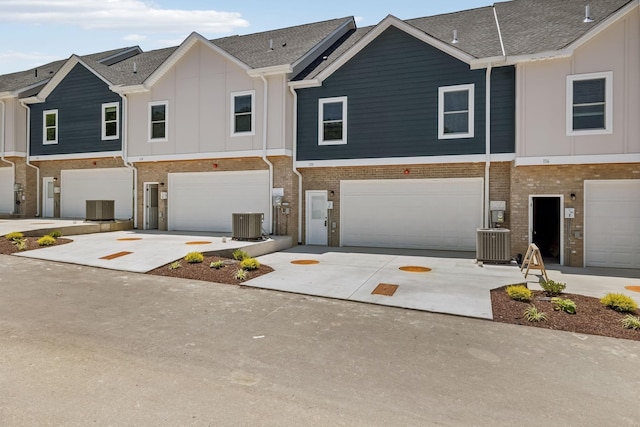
{"points": [[82, 346]]}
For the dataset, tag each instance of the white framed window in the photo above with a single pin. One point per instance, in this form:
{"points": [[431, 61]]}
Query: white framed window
{"points": [[456, 111], [158, 121], [243, 120], [110, 121], [590, 104], [332, 121], [50, 127]]}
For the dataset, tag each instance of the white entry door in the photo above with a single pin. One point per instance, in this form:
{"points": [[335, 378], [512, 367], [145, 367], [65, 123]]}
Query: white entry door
{"points": [[317, 218], [48, 184]]}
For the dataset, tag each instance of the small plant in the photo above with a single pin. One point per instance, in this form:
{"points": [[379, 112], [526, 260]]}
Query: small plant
{"points": [[217, 264], [14, 235], [619, 302], [241, 274], [194, 257], [21, 244], [532, 314], [175, 265], [240, 255], [249, 264], [552, 288], [46, 241], [55, 234], [564, 304], [519, 293], [631, 322]]}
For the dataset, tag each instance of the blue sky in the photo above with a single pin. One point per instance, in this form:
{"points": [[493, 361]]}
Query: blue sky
{"points": [[44, 31]]}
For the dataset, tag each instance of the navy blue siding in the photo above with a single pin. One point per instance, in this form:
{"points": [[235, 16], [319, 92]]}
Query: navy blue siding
{"points": [[392, 89], [503, 110], [78, 99]]}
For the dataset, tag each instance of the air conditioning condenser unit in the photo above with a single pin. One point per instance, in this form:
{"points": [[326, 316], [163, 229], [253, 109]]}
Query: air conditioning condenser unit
{"points": [[493, 245], [247, 226]]}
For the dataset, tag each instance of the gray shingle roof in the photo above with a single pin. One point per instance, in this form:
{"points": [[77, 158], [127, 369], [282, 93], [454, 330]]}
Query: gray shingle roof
{"points": [[146, 63]]}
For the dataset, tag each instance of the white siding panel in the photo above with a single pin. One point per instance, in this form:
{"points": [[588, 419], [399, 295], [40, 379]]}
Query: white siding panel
{"points": [[612, 223], [6, 190], [204, 201], [78, 186], [415, 213]]}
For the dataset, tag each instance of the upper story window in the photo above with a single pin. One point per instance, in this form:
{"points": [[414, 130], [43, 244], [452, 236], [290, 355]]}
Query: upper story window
{"points": [[589, 104], [332, 121], [110, 121], [50, 127], [456, 111], [158, 124], [243, 117]]}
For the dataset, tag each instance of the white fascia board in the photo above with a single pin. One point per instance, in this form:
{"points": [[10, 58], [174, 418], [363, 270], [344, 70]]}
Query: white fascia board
{"points": [[598, 28], [270, 71], [589, 159], [32, 100], [301, 84], [186, 45], [494, 61], [393, 161], [63, 72], [209, 155], [96, 155], [387, 22], [5, 95], [540, 56], [15, 154], [122, 90]]}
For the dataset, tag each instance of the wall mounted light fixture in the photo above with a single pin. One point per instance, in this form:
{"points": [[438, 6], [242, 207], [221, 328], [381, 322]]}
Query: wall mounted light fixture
{"points": [[573, 197]]}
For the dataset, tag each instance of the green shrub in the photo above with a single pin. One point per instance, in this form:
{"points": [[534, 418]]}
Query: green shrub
{"points": [[619, 302], [217, 264], [46, 241], [631, 322], [55, 234], [194, 257], [519, 292], [175, 265], [552, 288], [532, 314], [14, 235], [240, 255], [562, 304], [21, 244], [249, 264], [241, 274]]}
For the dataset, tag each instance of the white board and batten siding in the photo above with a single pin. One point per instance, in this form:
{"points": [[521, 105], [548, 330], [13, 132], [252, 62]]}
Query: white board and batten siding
{"points": [[441, 214], [612, 223], [78, 186], [205, 201]]}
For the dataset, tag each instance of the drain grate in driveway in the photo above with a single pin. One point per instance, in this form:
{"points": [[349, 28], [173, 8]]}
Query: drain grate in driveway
{"points": [[116, 255], [385, 289]]}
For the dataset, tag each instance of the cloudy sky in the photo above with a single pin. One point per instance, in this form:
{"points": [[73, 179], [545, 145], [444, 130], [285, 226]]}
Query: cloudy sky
{"points": [[39, 31]]}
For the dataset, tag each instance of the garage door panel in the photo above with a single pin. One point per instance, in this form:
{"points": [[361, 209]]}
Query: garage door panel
{"points": [[426, 214], [6, 190], [204, 201], [78, 186], [612, 223]]}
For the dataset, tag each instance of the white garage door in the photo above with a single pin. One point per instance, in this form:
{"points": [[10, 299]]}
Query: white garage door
{"points": [[612, 223], [6, 190], [204, 201], [417, 213], [78, 186]]}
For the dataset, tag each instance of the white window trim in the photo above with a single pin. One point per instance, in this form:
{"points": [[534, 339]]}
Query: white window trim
{"points": [[104, 123], [323, 101], [233, 113], [470, 88], [44, 127], [608, 106], [166, 121]]}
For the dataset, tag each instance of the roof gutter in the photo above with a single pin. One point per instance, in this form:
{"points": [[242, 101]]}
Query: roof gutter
{"points": [[295, 159], [264, 143], [2, 149], [22, 102]]}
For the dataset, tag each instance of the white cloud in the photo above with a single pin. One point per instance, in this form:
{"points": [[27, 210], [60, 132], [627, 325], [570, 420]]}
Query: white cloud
{"points": [[134, 37], [35, 58], [123, 15]]}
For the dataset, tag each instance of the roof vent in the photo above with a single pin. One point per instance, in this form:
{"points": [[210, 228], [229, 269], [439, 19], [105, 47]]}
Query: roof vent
{"points": [[36, 71], [135, 67], [587, 14], [270, 44], [455, 37]]}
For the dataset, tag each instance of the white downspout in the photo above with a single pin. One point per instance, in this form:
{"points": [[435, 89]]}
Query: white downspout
{"points": [[2, 150], [125, 150], [264, 146], [28, 157], [487, 166], [295, 159]]}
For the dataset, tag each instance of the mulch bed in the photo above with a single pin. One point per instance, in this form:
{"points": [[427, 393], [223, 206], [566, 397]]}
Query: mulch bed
{"points": [[203, 271], [8, 247], [591, 316]]}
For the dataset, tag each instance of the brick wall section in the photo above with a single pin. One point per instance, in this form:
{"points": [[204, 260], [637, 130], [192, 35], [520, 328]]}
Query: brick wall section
{"points": [[559, 180], [26, 177], [329, 179]]}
